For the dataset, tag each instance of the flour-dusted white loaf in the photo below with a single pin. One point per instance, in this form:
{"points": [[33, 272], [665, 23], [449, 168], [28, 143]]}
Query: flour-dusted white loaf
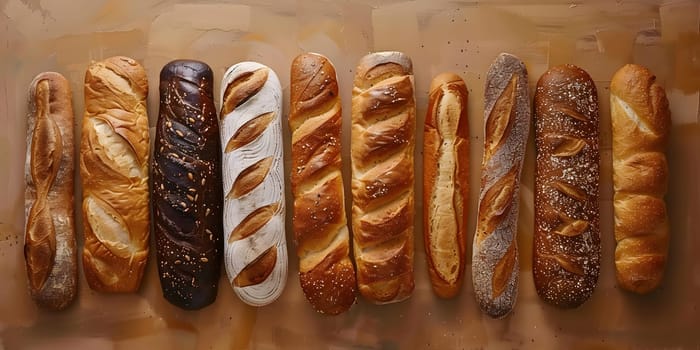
{"points": [[255, 250]]}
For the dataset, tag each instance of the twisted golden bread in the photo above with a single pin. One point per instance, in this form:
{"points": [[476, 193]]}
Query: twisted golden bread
{"points": [[383, 131], [326, 273], [641, 121]]}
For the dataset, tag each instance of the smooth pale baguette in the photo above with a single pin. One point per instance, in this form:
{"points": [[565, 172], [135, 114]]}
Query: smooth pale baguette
{"points": [[641, 122], [186, 188], [114, 162], [507, 117], [49, 241], [566, 248], [383, 133], [321, 233], [255, 249], [446, 183]]}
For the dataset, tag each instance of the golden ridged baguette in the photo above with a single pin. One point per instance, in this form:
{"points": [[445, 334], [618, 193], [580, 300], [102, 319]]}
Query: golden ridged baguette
{"points": [[383, 133], [446, 183], [114, 162], [49, 242], [641, 121], [507, 117], [326, 273], [566, 248]]}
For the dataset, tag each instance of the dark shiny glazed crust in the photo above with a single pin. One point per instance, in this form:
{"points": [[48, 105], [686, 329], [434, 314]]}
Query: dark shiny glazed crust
{"points": [[186, 187]]}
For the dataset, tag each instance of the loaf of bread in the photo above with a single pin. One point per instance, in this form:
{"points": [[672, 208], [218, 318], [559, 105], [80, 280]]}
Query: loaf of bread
{"points": [[446, 183], [566, 248], [49, 241], [507, 117], [251, 137], [186, 189], [641, 122], [383, 133], [321, 233], [114, 153]]}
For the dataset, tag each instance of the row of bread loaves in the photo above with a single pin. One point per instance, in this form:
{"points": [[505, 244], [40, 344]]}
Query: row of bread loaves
{"points": [[217, 183]]}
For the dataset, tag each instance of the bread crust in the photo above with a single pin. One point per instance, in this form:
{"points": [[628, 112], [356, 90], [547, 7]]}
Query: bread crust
{"points": [[507, 117], [383, 133], [641, 121], [566, 248], [49, 241], [446, 183], [114, 162]]}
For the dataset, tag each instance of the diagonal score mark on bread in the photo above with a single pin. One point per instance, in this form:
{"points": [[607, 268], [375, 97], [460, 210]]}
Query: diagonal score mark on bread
{"points": [[501, 119], [630, 113]]}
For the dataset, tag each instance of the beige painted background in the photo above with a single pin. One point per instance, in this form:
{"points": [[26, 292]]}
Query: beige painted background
{"points": [[459, 36]]}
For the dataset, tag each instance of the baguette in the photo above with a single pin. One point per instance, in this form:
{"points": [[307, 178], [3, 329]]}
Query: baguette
{"points": [[49, 241], [383, 132], [507, 117], [326, 273], [251, 137], [114, 156], [566, 256], [641, 121], [446, 183], [186, 189]]}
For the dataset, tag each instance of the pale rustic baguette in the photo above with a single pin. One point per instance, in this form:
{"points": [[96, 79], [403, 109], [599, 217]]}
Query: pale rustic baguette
{"points": [[255, 249], [326, 272], [186, 190], [566, 247], [114, 161], [446, 183], [383, 133], [641, 122], [49, 241], [507, 117]]}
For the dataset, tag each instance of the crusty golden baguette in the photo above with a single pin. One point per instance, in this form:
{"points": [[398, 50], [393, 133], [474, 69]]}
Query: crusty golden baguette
{"points": [[255, 248], [507, 117], [446, 183], [321, 233], [641, 121], [49, 241], [114, 162], [566, 248], [383, 133]]}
